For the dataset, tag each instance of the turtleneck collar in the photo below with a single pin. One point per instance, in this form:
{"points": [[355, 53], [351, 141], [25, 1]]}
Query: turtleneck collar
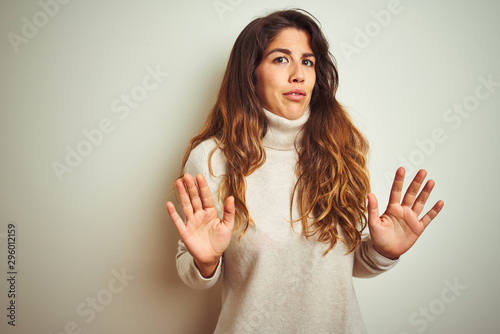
{"points": [[282, 133]]}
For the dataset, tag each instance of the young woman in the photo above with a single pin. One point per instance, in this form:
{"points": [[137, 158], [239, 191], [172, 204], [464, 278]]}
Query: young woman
{"points": [[288, 171]]}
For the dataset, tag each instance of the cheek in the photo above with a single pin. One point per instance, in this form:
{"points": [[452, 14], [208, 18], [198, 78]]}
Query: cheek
{"points": [[312, 82], [267, 87], [277, 81], [269, 78], [273, 85], [313, 77]]}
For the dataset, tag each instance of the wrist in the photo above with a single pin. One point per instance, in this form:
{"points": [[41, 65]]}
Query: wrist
{"points": [[207, 269], [387, 255]]}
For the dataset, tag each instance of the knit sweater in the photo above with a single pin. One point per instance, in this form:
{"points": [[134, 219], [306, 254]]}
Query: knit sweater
{"points": [[274, 279]]}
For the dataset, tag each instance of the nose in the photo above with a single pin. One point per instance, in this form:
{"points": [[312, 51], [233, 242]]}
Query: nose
{"points": [[296, 73]]}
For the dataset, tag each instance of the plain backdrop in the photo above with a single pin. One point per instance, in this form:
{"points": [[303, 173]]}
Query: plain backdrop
{"points": [[91, 142]]}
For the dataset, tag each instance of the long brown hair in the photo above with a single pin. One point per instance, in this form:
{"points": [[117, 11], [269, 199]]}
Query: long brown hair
{"points": [[333, 180]]}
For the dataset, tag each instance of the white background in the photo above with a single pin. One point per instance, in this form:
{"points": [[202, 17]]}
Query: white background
{"points": [[107, 215]]}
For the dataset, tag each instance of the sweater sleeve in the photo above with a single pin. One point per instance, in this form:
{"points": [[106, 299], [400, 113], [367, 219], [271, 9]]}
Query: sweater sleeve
{"points": [[197, 163], [368, 262], [189, 273]]}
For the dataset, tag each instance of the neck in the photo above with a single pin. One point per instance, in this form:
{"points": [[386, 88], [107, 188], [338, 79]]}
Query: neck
{"points": [[283, 134]]}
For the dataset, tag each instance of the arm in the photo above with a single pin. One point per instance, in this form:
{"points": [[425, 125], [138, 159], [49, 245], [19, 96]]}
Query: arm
{"points": [[189, 272], [398, 228], [204, 236], [368, 262]]}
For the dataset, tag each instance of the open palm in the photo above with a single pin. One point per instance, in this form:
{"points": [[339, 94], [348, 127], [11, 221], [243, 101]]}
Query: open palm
{"points": [[205, 235], [398, 228]]}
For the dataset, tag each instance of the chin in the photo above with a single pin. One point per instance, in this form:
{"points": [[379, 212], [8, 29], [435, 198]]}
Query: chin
{"points": [[295, 114], [298, 111]]}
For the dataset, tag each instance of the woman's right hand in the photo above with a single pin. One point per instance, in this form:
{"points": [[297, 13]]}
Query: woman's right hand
{"points": [[205, 235]]}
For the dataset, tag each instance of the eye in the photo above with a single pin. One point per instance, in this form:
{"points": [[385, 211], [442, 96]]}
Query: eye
{"points": [[280, 60], [308, 62]]}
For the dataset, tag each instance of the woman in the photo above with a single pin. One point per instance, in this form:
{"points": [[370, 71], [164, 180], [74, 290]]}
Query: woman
{"points": [[290, 168]]}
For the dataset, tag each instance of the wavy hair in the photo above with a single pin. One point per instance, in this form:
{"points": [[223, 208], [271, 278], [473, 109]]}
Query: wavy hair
{"points": [[332, 177]]}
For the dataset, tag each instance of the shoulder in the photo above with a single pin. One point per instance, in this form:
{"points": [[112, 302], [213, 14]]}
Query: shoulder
{"points": [[201, 156], [203, 150]]}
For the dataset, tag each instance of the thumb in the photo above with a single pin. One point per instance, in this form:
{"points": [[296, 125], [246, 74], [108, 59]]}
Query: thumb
{"points": [[373, 214], [229, 211]]}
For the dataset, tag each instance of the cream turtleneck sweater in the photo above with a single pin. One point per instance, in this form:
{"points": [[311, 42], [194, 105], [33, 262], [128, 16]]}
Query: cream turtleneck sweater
{"points": [[274, 279]]}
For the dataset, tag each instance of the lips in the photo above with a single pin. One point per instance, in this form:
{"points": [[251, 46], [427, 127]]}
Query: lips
{"points": [[295, 94]]}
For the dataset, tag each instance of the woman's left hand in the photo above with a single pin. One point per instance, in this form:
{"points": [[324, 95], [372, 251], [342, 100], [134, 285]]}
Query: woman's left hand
{"points": [[398, 228]]}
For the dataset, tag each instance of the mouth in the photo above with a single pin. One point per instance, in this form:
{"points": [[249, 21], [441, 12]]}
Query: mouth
{"points": [[295, 95]]}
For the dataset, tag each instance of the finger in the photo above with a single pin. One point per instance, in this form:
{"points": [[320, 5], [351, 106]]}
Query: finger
{"points": [[397, 186], [373, 213], [429, 216], [206, 195], [229, 211], [419, 204], [176, 219], [184, 199], [413, 188], [194, 193]]}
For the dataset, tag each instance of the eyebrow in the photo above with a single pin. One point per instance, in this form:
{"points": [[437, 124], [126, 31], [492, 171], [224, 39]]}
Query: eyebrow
{"points": [[288, 52]]}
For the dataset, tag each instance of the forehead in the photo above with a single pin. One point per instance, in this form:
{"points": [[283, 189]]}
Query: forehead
{"points": [[291, 38]]}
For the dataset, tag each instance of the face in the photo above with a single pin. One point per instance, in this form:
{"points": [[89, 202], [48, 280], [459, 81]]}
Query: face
{"points": [[286, 74]]}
